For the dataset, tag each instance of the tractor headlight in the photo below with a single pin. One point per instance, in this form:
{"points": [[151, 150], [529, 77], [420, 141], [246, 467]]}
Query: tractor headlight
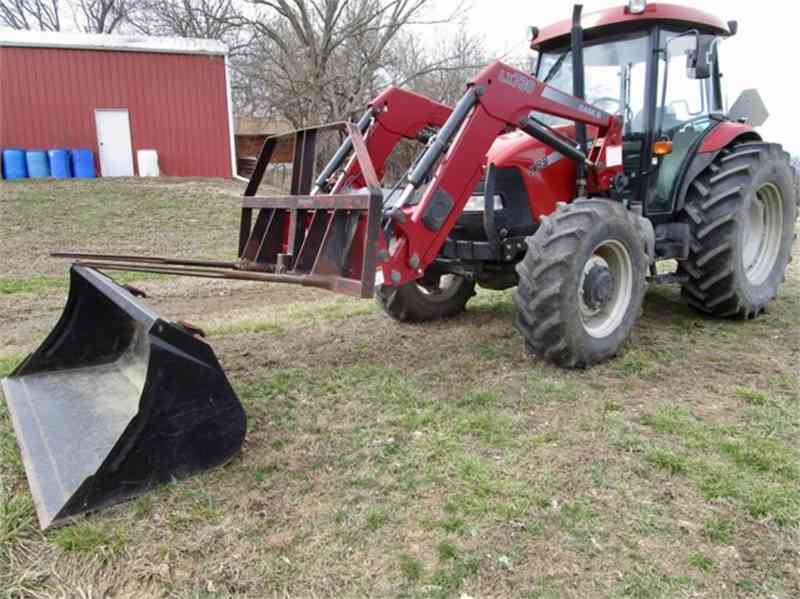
{"points": [[637, 7], [475, 203]]}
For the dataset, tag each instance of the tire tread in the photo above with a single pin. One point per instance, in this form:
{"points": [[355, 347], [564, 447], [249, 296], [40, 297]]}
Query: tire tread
{"points": [[542, 275], [712, 203]]}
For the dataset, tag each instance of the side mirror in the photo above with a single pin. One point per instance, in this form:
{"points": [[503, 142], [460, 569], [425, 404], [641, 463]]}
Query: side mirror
{"points": [[698, 60]]}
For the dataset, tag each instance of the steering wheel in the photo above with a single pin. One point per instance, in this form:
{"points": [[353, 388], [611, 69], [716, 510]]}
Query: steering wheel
{"points": [[608, 100]]}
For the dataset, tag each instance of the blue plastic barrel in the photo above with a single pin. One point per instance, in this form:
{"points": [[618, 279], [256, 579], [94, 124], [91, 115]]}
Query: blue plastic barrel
{"points": [[14, 166], [60, 166], [38, 165], [83, 163]]}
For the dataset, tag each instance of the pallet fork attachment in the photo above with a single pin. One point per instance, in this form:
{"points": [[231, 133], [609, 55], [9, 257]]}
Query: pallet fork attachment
{"points": [[332, 239], [326, 236]]}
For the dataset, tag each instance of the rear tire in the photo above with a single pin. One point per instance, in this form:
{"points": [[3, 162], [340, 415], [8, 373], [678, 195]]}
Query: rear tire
{"points": [[581, 283], [741, 211], [443, 297]]}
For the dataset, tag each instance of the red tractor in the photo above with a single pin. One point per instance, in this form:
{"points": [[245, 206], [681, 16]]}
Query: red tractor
{"points": [[570, 184], [676, 176]]}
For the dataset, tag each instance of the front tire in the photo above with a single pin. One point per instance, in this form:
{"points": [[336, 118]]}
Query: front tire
{"points": [[741, 212], [581, 283], [431, 298]]}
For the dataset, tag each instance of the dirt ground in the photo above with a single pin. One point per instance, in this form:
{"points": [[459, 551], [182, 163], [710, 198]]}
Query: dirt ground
{"points": [[428, 460]]}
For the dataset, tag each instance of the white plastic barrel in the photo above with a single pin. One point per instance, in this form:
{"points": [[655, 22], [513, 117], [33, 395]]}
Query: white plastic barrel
{"points": [[148, 163]]}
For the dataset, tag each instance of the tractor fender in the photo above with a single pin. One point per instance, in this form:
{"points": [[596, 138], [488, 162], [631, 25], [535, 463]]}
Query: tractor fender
{"points": [[716, 140], [724, 134]]}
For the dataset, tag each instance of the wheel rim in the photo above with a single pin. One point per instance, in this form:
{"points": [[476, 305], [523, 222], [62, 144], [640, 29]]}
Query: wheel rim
{"points": [[446, 288], [763, 232], [601, 321]]}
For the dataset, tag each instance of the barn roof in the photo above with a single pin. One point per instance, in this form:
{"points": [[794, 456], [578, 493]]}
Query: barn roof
{"points": [[122, 43]]}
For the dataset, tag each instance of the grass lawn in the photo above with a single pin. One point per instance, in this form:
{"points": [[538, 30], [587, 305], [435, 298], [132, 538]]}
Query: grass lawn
{"points": [[416, 461]]}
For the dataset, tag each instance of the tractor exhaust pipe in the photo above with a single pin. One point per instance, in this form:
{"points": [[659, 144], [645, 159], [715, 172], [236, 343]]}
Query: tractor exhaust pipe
{"points": [[579, 91]]}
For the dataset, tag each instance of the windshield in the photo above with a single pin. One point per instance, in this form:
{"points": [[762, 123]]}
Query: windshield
{"points": [[615, 73]]}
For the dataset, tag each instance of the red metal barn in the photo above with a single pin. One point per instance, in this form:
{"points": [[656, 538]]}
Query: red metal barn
{"points": [[118, 95]]}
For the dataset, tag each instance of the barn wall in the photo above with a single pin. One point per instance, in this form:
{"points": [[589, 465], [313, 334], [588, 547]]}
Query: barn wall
{"points": [[177, 103]]}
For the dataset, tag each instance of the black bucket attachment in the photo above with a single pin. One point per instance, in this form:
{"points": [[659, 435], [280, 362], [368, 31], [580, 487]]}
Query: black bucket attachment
{"points": [[117, 401]]}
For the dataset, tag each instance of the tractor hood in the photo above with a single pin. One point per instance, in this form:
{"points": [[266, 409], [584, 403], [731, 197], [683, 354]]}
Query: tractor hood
{"points": [[548, 176], [518, 148]]}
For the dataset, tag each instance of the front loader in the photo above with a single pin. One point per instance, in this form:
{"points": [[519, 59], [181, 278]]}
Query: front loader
{"points": [[569, 184]]}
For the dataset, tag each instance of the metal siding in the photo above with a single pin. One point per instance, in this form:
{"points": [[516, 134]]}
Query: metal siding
{"points": [[177, 103]]}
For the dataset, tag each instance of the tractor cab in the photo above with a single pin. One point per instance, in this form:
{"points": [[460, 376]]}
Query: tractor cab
{"points": [[656, 66]]}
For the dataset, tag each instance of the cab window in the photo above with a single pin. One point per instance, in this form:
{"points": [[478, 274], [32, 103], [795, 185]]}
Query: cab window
{"points": [[615, 74]]}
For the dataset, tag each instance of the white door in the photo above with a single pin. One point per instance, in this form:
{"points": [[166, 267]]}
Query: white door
{"points": [[114, 142]]}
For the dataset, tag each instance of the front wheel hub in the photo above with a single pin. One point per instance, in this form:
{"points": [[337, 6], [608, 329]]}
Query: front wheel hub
{"points": [[598, 287], [606, 288]]}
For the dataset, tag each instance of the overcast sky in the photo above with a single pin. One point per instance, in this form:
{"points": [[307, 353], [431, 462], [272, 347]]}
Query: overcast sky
{"points": [[763, 55]]}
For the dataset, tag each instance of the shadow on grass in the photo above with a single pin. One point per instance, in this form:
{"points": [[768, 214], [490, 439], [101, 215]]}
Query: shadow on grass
{"points": [[662, 304]]}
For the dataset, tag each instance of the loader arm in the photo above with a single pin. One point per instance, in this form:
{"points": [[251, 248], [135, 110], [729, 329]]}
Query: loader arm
{"points": [[395, 114], [500, 98]]}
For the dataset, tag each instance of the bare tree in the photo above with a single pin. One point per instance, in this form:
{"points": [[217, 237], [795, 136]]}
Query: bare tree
{"points": [[442, 70], [209, 19], [30, 14], [103, 16], [320, 60]]}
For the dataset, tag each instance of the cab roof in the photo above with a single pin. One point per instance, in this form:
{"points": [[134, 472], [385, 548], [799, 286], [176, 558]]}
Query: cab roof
{"points": [[619, 20]]}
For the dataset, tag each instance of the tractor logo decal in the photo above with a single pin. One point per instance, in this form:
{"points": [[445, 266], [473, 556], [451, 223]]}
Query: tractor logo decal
{"points": [[518, 80], [550, 159], [543, 163]]}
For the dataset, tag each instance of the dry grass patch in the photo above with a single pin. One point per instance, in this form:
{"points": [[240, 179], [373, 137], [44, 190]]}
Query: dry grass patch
{"points": [[432, 460]]}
